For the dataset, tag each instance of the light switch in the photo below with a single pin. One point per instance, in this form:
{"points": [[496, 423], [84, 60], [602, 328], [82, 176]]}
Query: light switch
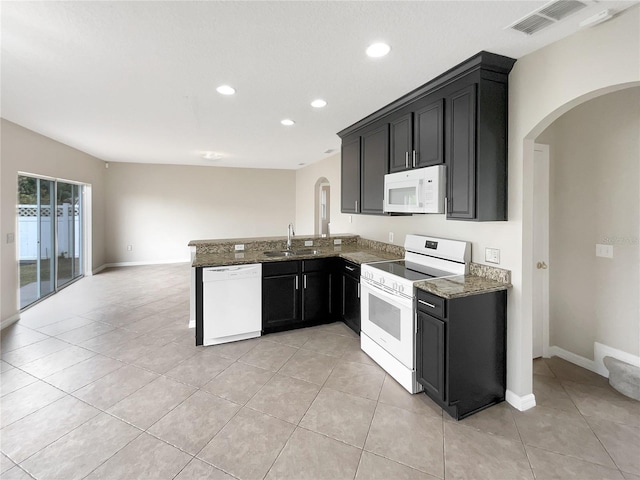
{"points": [[492, 255], [308, 243], [337, 241], [240, 247]]}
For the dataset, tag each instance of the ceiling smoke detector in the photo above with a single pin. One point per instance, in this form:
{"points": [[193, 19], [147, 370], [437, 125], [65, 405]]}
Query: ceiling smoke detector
{"points": [[211, 156], [547, 15]]}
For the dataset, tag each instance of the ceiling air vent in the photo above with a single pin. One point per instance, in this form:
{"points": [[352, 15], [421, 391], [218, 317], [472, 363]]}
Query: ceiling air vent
{"points": [[549, 14]]}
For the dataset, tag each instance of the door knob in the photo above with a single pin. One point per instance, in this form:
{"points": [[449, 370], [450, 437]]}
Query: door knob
{"points": [[541, 266]]}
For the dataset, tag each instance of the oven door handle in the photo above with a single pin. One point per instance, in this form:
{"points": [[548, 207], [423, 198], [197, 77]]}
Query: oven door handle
{"points": [[398, 300]]}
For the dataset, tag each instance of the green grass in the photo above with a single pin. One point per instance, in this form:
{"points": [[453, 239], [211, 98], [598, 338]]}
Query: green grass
{"points": [[28, 270]]}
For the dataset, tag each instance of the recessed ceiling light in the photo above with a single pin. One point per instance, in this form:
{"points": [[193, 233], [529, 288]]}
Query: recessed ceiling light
{"points": [[319, 103], [211, 156], [378, 50], [225, 90], [287, 122]]}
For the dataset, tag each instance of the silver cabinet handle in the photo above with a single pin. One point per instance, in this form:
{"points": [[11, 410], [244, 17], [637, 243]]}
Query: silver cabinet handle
{"points": [[427, 303], [356, 205], [304, 282], [358, 290], [414, 159], [296, 283], [406, 159], [351, 269]]}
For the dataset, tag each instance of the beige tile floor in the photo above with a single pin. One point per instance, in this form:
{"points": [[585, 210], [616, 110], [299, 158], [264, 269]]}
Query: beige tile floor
{"points": [[103, 381]]}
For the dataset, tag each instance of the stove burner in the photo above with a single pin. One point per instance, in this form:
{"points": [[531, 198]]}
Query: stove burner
{"points": [[408, 270]]}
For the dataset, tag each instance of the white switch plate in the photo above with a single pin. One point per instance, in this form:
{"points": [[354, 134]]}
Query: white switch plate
{"points": [[492, 255], [240, 247], [129, 248], [239, 255], [391, 237], [337, 241], [605, 251], [308, 243]]}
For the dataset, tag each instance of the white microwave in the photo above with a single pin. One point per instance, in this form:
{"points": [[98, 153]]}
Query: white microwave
{"points": [[421, 190]]}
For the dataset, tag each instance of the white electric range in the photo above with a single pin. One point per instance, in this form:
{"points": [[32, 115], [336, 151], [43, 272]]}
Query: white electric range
{"points": [[388, 323]]}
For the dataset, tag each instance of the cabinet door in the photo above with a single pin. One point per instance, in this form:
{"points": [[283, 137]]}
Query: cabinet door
{"points": [[428, 134], [431, 355], [461, 153], [351, 302], [280, 300], [400, 144], [316, 296], [375, 164], [351, 176]]}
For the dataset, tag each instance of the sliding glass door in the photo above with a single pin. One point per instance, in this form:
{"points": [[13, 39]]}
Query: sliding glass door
{"points": [[49, 236], [69, 233]]}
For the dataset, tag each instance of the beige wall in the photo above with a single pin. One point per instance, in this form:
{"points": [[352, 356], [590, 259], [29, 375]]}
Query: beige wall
{"points": [[26, 151], [543, 85], [595, 198], [158, 209]]}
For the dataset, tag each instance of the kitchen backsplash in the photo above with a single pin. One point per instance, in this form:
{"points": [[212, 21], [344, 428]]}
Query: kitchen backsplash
{"points": [[381, 246], [493, 273]]}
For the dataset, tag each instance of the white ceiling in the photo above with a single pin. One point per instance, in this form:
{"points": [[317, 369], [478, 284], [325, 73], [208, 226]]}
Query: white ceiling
{"points": [[135, 81]]}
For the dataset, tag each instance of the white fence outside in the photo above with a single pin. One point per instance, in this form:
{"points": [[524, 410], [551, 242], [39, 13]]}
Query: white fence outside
{"points": [[68, 218]]}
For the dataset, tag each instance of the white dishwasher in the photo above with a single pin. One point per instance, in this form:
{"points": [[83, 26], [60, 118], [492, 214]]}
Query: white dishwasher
{"points": [[232, 303]]}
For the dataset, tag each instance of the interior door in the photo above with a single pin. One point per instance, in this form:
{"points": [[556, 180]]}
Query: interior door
{"points": [[541, 250]]}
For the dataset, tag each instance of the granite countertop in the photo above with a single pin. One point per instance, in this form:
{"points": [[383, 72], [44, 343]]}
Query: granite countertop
{"points": [[461, 286], [354, 253]]}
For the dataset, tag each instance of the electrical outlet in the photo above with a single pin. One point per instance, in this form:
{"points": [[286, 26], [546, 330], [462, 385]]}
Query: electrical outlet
{"points": [[350, 219], [390, 237], [11, 237], [239, 255], [240, 247], [129, 248], [492, 255], [605, 251], [308, 243], [337, 241]]}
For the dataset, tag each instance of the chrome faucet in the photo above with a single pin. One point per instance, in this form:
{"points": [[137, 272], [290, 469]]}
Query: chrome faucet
{"points": [[290, 234]]}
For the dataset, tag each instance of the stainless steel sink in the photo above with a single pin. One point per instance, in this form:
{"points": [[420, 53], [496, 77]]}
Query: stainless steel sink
{"points": [[291, 253], [307, 251], [280, 253]]}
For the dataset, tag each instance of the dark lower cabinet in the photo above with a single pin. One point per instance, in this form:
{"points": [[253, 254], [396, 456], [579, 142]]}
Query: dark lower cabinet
{"points": [[280, 295], [431, 355], [296, 294], [461, 350], [350, 295]]}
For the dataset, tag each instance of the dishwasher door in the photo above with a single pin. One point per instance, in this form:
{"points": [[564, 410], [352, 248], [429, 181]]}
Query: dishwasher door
{"points": [[232, 303]]}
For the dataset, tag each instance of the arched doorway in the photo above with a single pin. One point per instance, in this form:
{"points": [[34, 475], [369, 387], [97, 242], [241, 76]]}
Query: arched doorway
{"points": [[322, 207]]}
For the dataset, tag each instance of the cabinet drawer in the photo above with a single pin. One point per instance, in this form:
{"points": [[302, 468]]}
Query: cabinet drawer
{"points": [[279, 268], [432, 304], [316, 265], [351, 269]]}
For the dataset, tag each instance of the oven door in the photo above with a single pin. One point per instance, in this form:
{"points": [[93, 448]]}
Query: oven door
{"points": [[387, 319]]}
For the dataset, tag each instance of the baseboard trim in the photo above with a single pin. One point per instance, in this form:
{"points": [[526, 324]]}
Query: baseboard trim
{"points": [[600, 351], [99, 269], [555, 351], [138, 264], [10, 321], [522, 403]]}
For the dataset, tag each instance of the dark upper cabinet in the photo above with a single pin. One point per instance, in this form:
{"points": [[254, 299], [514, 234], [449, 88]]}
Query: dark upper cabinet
{"points": [[351, 176], [375, 165], [428, 135], [401, 143], [417, 138], [461, 154], [459, 118]]}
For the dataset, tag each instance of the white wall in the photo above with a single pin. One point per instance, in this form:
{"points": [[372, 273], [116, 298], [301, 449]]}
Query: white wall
{"points": [[595, 198], [26, 151], [158, 209], [543, 85]]}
